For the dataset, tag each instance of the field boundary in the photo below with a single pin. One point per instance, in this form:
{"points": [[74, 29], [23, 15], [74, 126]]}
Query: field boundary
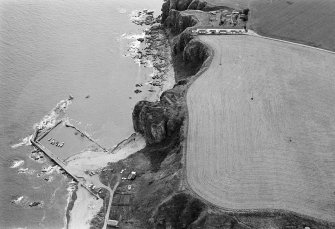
{"points": [[253, 33]]}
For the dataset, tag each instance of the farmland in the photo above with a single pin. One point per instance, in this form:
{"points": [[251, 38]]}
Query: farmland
{"points": [[261, 129], [309, 22]]}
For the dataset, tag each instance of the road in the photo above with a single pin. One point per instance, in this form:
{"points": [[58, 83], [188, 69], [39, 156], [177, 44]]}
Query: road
{"points": [[261, 130], [111, 191]]}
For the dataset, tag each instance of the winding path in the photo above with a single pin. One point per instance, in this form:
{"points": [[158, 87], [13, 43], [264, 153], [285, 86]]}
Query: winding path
{"points": [[261, 131]]}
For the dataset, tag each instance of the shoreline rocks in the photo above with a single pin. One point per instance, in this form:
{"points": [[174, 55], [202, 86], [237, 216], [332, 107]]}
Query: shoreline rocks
{"points": [[152, 51]]}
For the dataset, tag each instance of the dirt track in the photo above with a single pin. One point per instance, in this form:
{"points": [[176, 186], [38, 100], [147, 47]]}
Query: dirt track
{"points": [[261, 130]]}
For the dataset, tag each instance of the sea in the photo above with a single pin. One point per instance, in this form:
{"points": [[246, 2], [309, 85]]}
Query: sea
{"points": [[49, 50]]}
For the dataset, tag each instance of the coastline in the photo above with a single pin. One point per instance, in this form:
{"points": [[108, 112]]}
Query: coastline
{"points": [[58, 87], [163, 76], [224, 212], [70, 205], [188, 46]]}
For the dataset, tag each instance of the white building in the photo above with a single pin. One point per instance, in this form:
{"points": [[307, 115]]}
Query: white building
{"points": [[113, 223]]}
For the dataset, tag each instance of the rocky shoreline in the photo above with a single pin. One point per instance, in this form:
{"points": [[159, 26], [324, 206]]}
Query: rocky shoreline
{"points": [[160, 197]]}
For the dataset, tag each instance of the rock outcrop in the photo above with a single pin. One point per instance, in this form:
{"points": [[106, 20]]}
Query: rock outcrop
{"points": [[157, 121], [195, 52], [181, 5], [178, 22]]}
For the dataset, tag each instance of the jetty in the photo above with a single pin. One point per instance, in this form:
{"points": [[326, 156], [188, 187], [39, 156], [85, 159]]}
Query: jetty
{"points": [[61, 164]]}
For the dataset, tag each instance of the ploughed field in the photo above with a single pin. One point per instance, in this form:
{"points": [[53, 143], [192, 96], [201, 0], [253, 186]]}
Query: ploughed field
{"points": [[261, 132]]}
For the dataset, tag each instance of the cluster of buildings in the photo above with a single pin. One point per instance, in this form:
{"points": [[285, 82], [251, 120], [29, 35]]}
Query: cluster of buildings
{"points": [[224, 22], [214, 31]]}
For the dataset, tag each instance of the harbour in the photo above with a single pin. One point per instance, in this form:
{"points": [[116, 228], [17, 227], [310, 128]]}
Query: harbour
{"points": [[60, 162]]}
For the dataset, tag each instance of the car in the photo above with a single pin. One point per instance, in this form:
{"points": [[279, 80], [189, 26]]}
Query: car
{"points": [[132, 175], [202, 31], [212, 31]]}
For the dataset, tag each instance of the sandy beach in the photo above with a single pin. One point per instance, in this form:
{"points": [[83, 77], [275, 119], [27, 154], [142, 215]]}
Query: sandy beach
{"points": [[84, 209]]}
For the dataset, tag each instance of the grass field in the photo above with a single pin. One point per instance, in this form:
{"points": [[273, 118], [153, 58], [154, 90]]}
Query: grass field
{"points": [[305, 21], [261, 130]]}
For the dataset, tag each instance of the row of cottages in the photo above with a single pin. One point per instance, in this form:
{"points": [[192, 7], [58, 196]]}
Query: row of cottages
{"points": [[219, 31]]}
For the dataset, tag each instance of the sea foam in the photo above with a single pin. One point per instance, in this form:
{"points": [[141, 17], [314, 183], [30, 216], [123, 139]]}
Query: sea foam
{"points": [[17, 163], [48, 121], [24, 141]]}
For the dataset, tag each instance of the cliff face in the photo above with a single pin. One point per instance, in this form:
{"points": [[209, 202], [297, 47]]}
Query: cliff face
{"points": [[177, 22], [181, 5], [157, 121], [160, 197]]}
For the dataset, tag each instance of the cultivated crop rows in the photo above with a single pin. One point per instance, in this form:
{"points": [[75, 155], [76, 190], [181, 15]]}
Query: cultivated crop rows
{"points": [[261, 130]]}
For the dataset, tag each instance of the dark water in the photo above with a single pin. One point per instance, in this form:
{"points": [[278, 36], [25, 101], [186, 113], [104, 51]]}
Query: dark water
{"points": [[48, 50]]}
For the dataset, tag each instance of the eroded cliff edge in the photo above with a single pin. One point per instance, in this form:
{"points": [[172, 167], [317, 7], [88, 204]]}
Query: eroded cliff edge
{"points": [[159, 197]]}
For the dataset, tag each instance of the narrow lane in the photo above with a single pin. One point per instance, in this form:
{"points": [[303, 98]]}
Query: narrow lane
{"points": [[111, 191]]}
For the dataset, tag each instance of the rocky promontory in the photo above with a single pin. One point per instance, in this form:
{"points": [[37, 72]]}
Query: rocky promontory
{"points": [[157, 121]]}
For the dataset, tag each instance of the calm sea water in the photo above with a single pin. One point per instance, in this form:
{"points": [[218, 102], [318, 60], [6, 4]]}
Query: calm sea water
{"points": [[50, 49]]}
